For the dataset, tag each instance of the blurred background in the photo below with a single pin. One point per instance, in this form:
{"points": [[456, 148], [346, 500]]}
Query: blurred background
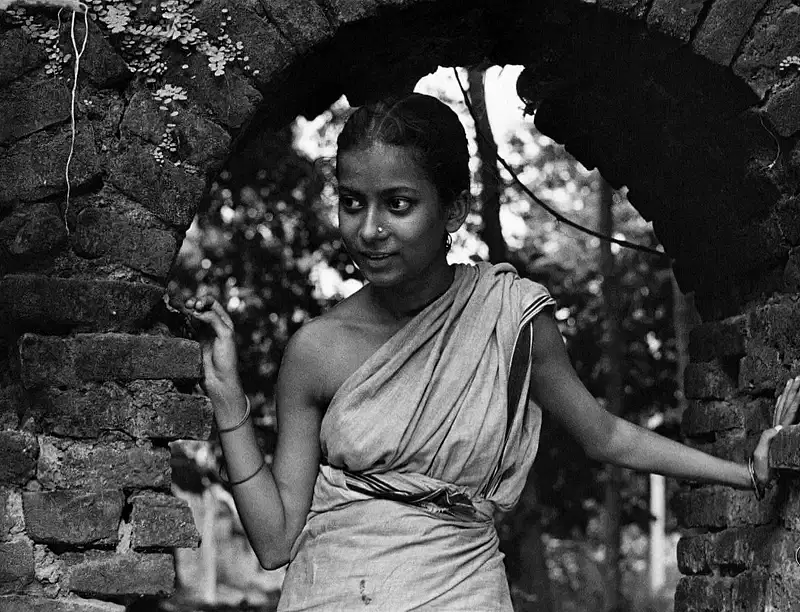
{"points": [[584, 537]]}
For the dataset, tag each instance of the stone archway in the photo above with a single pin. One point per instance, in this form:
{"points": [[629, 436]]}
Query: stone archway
{"points": [[694, 105]]}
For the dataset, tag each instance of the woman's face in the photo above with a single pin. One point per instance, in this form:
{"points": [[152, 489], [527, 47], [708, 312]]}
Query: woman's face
{"points": [[383, 186]]}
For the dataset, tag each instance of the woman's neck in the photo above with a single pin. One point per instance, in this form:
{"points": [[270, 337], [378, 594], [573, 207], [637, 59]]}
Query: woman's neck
{"points": [[409, 299]]}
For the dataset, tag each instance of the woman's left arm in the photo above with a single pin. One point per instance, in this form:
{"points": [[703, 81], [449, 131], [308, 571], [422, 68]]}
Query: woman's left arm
{"points": [[604, 437]]}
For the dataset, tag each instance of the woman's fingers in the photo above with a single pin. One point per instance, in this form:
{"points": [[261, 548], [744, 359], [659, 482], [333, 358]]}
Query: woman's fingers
{"points": [[787, 405]]}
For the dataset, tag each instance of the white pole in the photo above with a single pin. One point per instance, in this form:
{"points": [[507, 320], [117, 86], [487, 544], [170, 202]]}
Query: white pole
{"points": [[657, 552]]}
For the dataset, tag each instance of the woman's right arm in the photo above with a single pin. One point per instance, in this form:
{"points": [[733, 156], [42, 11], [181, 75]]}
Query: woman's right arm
{"points": [[274, 504]]}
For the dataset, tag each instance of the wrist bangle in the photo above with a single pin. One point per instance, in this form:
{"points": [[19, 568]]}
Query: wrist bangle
{"points": [[240, 423], [757, 489], [231, 483]]}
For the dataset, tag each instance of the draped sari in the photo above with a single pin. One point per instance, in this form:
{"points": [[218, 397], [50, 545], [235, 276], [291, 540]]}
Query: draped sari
{"points": [[420, 445]]}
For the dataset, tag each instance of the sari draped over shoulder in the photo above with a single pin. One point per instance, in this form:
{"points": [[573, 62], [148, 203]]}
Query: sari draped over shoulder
{"points": [[420, 446]]}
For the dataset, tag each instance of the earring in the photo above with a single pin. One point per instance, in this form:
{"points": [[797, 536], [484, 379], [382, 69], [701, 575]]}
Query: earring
{"points": [[448, 242]]}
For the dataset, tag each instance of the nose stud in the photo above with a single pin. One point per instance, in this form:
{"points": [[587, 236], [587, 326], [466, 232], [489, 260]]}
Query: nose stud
{"points": [[380, 229]]}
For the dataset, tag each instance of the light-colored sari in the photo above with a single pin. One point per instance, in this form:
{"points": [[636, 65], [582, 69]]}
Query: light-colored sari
{"points": [[420, 445]]}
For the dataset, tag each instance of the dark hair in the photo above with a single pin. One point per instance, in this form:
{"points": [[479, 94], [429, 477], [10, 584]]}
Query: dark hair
{"points": [[422, 122]]}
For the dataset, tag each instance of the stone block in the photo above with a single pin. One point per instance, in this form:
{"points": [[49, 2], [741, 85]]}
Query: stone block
{"points": [[783, 592], [169, 192], [784, 452], [732, 446], [303, 22], [204, 143], [675, 19], [771, 39], [719, 339], [783, 109], [12, 520], [138, 411], [50, 361], [143, 118], [32, 231], [29, 107], [73, 517], [67, 464], [16, 565], [100, 62], [790, 510], [18, 454], [705, 417], [708, 380], [762, 370], [41, 303], [724, 28], [349, 11], [106, 574], [692, 555], [791, 273], [104, 233], [231, 99], [18, 55], [31, 603], [161, 521], [721, 594], [634, 9], [717, 507], [33, 168]]}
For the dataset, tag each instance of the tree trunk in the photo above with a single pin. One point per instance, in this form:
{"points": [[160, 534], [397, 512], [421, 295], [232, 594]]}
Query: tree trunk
{"points": [[491, 232], [613, 393]]}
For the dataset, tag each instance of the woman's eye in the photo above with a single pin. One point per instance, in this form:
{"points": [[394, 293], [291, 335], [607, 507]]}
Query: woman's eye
{"points": [[349, 203], [399, 204]]}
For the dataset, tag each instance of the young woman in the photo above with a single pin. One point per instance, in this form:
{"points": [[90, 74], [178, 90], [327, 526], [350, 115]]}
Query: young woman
{"points": [[410, 411]]}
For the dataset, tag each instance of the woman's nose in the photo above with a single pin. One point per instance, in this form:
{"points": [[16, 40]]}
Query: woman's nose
{"points": [[371, 227]]}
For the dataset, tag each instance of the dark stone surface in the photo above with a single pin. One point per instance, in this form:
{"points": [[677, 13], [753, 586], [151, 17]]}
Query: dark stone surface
{"points": [[30, 233], [204, 143], [33, 168], [718, 339], [143, 118], [18, 55], [100, 62], [718, 507], [783, 109], [37, 303], [29, 603], [66, 464], [724, 28], [73, 517], [674, 18], [109, 574], [106, 233], [27, 107], [303, 22], [16, 565], [97, 357], [18, 454], [708, 380], [634, 9], [160, 521]]}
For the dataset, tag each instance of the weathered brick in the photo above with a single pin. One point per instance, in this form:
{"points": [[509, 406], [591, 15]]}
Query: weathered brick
{"points": [[16, 565], [18, 453], [675, 19], [634, 9], [721, 594], [724, 28], [168, 191], [142, 410], [692, 555], [204, 143], [702, 417], [762, 370], [33, 302], [65, 464], [30, 603], [791, 273], [783, 109], [18, 55], [790, 509], [708, 380], [108, 574], [161, 521], [97, 357], [783, 592], [348, 11], [99, 62], [784, 452], [302, 21], [143, 118], [718, 339], [773, 37], [101, 232], [30, 107], [12, 520], [73, 517], [33, 168], [723, 507], [731, 445], [32, 231]]}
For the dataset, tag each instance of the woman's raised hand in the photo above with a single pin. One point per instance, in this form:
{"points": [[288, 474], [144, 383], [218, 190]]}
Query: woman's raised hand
{"points": [[785, 414], [220, 364]]}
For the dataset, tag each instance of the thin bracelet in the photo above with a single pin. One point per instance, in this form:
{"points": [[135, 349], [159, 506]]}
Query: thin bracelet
{"points": [[240, 423], [243, 480], [756, 488]]}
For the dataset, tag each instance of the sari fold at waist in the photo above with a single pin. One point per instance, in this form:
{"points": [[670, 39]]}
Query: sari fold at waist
{"points": [[335, 487]]}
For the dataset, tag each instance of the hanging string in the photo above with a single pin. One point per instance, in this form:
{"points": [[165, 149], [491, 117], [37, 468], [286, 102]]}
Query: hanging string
{"points": [[78, 55], [558, 216]]}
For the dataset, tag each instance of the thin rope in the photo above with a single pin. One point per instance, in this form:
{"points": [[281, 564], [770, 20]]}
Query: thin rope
{"points": [[559, 217], [78, 55]]}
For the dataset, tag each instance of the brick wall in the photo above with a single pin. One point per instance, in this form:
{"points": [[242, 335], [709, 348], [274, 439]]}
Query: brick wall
{"points": [[92, 381]]}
